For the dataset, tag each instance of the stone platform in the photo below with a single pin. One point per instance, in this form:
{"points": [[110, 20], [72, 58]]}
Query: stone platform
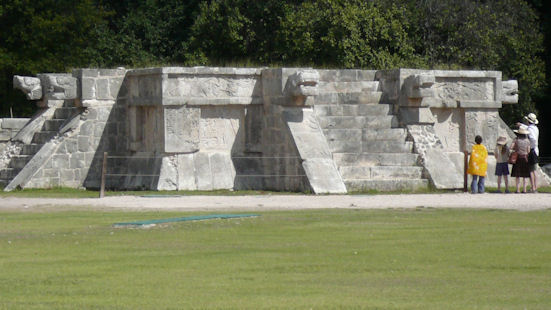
{"points": [[284, 129]]}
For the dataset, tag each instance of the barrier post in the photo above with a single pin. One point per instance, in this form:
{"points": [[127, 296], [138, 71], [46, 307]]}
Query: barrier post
{"points": [[103, 172], [465, 167]]}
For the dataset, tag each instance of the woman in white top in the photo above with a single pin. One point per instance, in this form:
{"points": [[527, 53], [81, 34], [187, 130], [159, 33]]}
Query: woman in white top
{"points": [[533, 136]]}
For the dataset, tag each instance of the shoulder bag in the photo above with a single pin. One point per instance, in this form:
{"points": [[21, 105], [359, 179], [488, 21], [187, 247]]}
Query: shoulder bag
{"points": [[513, 157]]}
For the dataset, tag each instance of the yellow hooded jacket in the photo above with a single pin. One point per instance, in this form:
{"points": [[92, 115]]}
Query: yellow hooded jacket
{"points": [[478, 161]]}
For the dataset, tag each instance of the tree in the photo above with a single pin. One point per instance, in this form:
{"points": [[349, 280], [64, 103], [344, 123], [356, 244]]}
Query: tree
{"points": [[42, 36], [483, 35], [349, 34], [236, 31], [322, 33], [143, 32]]}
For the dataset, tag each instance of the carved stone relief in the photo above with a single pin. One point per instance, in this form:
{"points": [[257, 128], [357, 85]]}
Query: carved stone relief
{"points": [[453, 89], [219, 128]]}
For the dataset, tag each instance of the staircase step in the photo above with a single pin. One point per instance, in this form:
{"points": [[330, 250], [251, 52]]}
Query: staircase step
{"points": [[386, 185], [328, 109], [348, 87], [64, 113], [352, 109], [345, 122], [387, 146], [338, 98], [19, 161], [30, 149], [375, 159], [53, 124], [398, 134], [373, 109], [361, 97], [380, 172], [43, 136], [341, 122], [365, 109], [344, 140], [370, 97], [344, 146], [381, 122], [69, 104], [343, 134]]}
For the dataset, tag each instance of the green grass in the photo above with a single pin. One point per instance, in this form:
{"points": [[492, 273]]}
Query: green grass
{"points": [[63, 192], [323, 259]]}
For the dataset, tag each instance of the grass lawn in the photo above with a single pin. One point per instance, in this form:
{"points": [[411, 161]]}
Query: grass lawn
{"points": [[322, 259], [63, 192]]}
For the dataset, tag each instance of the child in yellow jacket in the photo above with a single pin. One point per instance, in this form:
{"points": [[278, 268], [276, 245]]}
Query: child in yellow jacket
{"points": [[478, 165]]}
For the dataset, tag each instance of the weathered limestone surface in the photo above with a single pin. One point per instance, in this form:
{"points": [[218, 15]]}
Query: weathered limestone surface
{"points": [[100, 84], [440, 169], [35, 165], [26, 134], [510, 91], [9, 127], [483, 123], [450, 89], [181, 129], [280, 163], [31, 86], [291, 129], [205, 117], [70, 155], [58, 86], [289, 86], [318, 164]]}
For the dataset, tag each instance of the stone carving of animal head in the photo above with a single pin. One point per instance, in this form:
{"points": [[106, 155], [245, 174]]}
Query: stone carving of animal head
{"points": [[31, 86], [510, 91]]}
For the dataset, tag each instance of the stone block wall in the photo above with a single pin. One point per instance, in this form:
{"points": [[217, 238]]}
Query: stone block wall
{"points": [[205, 125], [9, 127], [281, 163], [78, 153], [98, 126]]}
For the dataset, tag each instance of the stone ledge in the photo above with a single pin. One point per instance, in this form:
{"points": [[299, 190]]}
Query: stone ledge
{"points": [[214, 101], [195, 71], [13, 123], [479, 104]]}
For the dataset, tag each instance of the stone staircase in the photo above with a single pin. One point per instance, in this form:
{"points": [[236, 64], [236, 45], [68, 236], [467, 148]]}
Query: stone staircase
{"points": [[48, 131], [368, 147]]}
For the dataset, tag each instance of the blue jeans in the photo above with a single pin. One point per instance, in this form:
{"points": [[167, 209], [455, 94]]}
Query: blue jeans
{"points": [[480, 184]]}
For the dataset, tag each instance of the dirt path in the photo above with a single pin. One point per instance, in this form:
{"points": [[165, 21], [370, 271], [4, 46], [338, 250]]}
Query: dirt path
{"points": [[523, 202]]}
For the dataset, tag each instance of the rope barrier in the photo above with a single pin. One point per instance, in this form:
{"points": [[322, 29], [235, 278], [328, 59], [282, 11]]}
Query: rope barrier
{"points": [[130, 174], [237, 176], [104, 173], [239, 157]]}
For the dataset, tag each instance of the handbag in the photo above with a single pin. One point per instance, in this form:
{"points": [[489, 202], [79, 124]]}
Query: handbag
{"points": [[513, 158]]}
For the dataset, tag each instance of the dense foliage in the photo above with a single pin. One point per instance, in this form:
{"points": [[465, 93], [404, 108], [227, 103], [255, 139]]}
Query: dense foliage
{"points": [[57, 35], [43, 36]]}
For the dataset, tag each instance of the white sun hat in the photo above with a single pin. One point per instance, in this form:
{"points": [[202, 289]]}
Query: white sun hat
{"points": [[522, 131], [531, 118]]}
